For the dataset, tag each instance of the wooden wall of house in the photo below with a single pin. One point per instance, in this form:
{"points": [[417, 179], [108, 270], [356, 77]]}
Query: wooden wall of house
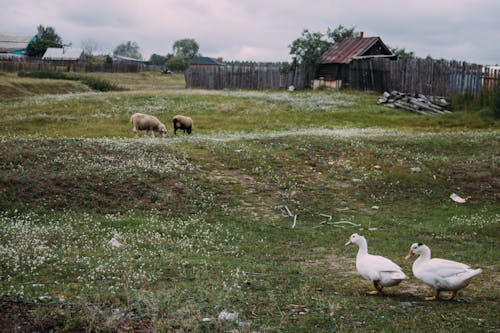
{"points": [[331, 72]]}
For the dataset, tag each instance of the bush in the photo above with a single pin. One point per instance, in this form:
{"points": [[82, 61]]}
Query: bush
{"points": [[98, 84], [48, 75], [92, 82]]}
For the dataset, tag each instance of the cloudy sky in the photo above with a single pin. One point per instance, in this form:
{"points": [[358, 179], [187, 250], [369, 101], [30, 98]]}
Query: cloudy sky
{"points": [[262, 30]]}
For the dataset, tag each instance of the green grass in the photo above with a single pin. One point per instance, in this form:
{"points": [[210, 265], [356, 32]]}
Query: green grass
{"points": [[198, 215]]}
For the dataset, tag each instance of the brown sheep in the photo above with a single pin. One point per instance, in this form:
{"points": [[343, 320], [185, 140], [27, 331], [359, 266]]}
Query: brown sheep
{"points": [[145, 122], [184, 123]]}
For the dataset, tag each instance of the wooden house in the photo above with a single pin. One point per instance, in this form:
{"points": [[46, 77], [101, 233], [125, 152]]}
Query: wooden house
{"points": [[63, 54], [205, 62], [333, 65], [129, 60], [13, 44]]}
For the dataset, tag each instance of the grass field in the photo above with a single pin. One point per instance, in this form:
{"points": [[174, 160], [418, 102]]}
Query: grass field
{"points": [[102, 231]]}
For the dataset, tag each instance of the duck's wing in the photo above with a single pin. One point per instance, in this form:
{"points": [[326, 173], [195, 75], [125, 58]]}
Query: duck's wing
{"points": [[373, 267], [446, 268]]}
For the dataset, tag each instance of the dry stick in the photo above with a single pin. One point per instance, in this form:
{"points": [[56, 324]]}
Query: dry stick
{"points": [[337, 224], [324, 215], [284, 207]]}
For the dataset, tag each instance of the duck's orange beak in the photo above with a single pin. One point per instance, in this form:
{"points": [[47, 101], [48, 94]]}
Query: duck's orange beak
{"points": [[410, 254], [348, 242]]}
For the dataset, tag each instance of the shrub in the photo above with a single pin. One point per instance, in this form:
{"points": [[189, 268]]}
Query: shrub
{"points": [[48, 75], [99, 84], [92, 82]]}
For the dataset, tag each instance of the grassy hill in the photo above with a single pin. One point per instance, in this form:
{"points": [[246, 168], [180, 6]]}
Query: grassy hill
{"points": [[104, 231]]}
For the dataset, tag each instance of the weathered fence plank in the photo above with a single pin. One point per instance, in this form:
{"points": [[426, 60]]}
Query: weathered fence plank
{"points": [[426, 76], [65, 66], [259, 76]]}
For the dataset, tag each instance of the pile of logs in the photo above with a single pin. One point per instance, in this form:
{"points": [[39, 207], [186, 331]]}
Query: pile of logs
{"points": [[415, 102]]}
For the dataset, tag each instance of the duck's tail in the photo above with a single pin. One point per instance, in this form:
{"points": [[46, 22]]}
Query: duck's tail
{"points": [[469, 273]]}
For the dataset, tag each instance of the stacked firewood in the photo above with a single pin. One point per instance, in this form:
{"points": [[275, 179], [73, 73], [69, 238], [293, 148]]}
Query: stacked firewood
{"points": [[417, 103]]}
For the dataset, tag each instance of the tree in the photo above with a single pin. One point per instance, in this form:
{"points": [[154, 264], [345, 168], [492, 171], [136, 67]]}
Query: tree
{"points": [[402, 53], [340, 33], [184, 50], [187, 47], [90, 46], [128, 49], [46, 37], [178, 63], [157, 59], [308, 48]]}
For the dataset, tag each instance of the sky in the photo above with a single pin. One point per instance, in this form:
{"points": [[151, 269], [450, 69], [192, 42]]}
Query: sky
{"points": [[262, 30]]}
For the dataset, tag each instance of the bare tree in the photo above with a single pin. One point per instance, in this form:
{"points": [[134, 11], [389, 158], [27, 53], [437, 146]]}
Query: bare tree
{"points": [[90, 46]]}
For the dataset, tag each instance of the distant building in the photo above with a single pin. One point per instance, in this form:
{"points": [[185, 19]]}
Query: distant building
{"points": [[121, 58], [206, 61], [333, 65], [13, 44], [63, 54]]}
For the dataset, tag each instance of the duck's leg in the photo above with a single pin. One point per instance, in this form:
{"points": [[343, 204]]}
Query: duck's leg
{"points": [[434, 298], [453, 295], [378, 288]]}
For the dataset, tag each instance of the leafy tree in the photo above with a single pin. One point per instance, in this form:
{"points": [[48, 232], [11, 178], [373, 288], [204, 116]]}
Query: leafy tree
{"points": [[46, 37], [308, 48], [157, 59], [402, 53], [184, 50], [178, 63], [128, 49], [108, 59], [340, 33], [187, 47]]}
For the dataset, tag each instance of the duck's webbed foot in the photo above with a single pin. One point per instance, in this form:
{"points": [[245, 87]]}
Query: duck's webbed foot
{"points": [[434, 298], [378, 288]]}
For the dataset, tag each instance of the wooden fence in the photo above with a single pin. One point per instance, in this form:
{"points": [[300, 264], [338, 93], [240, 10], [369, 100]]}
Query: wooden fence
{"points": [[69, 66], [258, 76], [425, 76]]}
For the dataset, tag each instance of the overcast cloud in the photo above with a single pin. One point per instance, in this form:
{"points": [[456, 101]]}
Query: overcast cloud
{"points": [[262, 30]]}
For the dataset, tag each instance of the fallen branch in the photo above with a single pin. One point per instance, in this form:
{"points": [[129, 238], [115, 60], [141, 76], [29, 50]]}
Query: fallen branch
{"points": [[337, 224], [417, 103], [284, 209]]}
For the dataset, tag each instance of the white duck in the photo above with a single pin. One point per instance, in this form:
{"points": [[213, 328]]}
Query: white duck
{"points": [[380, 270], [440, 274]]}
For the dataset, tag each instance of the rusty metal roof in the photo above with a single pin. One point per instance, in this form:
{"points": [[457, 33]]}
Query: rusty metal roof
{"points": [[345, 51]]}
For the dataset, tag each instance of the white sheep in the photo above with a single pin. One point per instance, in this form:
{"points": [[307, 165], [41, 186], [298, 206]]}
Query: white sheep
{"points": [[145, 122], [184, 123]]}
